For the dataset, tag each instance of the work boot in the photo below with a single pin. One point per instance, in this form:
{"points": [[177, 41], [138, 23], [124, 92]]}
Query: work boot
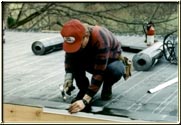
{"points": [[79, 96], [106, 93]]}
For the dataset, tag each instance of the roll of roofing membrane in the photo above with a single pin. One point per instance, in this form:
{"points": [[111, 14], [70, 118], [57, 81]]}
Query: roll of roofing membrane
{"points": [[145, 59], [48, 45]]}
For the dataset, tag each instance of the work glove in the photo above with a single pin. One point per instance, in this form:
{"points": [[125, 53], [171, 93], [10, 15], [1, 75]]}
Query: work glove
{"points": [[127, 63], [67, 87], [68, 83]]}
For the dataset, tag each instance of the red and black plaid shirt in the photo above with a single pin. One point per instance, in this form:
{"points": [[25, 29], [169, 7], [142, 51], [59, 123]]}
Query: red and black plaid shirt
{"points": [[103, 47]]}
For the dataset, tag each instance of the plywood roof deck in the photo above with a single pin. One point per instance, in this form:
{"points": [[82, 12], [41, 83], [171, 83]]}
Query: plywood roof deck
{"points": [[29, 79]]}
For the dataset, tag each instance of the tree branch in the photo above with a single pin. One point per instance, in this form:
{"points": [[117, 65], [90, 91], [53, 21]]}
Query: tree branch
{"points": [[32, 16], [20, 12]]}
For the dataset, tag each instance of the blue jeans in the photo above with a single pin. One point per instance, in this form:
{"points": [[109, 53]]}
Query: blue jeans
{"points": [[113, 73]]}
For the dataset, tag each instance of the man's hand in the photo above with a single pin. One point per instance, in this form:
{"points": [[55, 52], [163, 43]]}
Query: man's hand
{"points": [[68, 82], [80, 105], [77, 106], [67, 87]]}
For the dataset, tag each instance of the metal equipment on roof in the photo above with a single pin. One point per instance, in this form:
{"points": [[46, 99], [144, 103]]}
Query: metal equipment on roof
{"points": [[170, 47]]}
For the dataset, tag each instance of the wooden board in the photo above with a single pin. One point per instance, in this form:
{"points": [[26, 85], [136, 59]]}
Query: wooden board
{"points": [[28, 114]]}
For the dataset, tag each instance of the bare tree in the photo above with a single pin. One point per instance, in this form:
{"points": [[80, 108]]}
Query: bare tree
{"points": [[118, 17]]}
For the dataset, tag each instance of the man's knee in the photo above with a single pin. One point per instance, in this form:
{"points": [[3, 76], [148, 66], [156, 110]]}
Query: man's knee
{"points": [[115, 70]]}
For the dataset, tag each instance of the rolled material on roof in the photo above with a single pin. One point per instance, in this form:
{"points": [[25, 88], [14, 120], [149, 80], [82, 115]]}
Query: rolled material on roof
{"points": [[48, 45], [145, 59]]}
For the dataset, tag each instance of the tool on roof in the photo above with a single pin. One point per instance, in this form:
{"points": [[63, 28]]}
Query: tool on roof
{"points": [[128, 66], [65, 92], [170, 47], [67, 87]]}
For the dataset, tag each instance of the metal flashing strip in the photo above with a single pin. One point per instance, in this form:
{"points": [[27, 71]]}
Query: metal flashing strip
{"points": [[96, 112], [163, 85], [121, 113], [88, 115]]}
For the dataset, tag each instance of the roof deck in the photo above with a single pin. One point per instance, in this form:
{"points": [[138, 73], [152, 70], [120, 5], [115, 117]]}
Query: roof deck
{"points": [[33, 80]]}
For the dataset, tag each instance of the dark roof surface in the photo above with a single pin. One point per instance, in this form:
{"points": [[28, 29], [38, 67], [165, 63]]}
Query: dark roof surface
{"points": [[35, 79]]}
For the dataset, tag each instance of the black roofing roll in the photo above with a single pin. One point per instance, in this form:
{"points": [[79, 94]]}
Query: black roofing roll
{"points": [[48, 45], [145, 59]]}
